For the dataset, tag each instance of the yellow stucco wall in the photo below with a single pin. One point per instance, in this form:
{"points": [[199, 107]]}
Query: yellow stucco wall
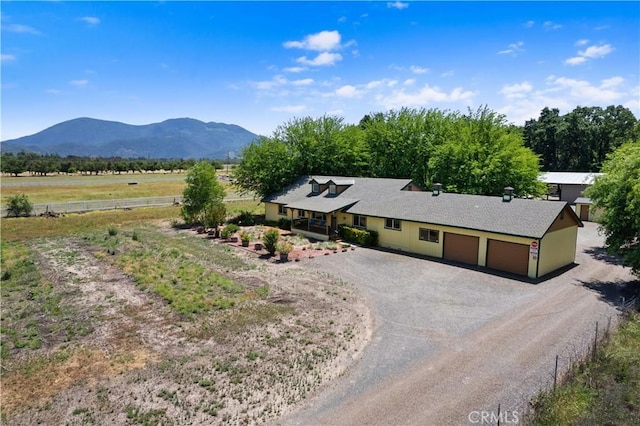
{"points": [[557, 249], [271, 212], [407, 239]]}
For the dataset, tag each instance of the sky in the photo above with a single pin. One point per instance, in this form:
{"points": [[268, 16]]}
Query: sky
{"points": [[261, 64]]}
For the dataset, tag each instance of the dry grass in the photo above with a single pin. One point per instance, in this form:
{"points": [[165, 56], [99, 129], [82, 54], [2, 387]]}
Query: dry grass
{"points": [[20, 229]]}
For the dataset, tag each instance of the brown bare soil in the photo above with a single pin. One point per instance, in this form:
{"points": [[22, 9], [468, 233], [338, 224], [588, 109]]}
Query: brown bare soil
{"points": [[143, 363]]}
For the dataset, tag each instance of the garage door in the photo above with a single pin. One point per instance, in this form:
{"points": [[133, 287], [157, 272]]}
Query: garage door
{"points": [[461, 248], [508, 257]]}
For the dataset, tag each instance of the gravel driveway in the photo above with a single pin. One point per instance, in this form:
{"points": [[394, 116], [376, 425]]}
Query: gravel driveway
{"points": [[450, 343]]}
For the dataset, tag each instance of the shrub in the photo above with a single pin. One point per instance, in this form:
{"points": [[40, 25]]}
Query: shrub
{"points": [[19, 205], [270, 240], [245, 237], [363, 237], [229, 230], [284, 247], [284, 223], [245, 218], [112, 231]]}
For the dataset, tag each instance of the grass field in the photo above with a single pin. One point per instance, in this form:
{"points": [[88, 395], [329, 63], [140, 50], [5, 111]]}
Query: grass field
{"points": [[601, 391], [117, 317], [64, 188]]}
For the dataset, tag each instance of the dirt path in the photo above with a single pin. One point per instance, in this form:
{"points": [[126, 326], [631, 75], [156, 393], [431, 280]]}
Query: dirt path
{"points": [[503, 360]]}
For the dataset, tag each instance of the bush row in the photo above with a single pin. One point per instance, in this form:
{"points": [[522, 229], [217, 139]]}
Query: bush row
{"points": [[363, 237]]}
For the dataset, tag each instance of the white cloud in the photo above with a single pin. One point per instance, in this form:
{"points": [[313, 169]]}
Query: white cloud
{"points": [[584, 91], [513, 48], [529, 24], [596, 51], [289, 108], [576, 60], [426, 95], [612, 82], [91, 20], [516, 91], [397, 5], [582, 42], [342, 19], [7, 58], [591, 52], [294, 69], [303, 82], [322, 42], [323, 59], [418, 70], [348, 91], [447, 73], [409, 82], [21, 29], [548, 25], [278, 80], [79, 83]]}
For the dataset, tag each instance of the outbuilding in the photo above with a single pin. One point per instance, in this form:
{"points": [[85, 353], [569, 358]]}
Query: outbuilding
{"points": [[568, 186]]}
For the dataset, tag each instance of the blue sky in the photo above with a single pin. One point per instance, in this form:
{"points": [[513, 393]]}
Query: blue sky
{"points": [[259, 64]]}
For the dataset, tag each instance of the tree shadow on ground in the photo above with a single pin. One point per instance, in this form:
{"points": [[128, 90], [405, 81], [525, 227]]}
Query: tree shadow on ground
{"points": [[601, 254], [623, 294]]}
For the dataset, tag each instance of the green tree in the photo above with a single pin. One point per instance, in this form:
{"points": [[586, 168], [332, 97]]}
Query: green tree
{"points": [[484, 156], [617, 195], [267, 166], [203, 192], [19, 205]]}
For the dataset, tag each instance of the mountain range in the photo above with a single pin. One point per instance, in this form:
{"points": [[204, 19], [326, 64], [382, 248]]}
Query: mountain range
{"points": [[173, 138]]}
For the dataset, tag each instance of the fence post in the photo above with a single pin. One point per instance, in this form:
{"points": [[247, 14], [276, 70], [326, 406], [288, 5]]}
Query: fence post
{"points": [[595, 341], [555, 375]]}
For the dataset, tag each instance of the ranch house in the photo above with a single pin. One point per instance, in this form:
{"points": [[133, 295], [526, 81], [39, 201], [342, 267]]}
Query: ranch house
{"points": [[521, 236]]}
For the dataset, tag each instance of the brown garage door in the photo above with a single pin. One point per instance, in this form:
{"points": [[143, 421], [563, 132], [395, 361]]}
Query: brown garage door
{"points": [[461, 248], [508, 257]]}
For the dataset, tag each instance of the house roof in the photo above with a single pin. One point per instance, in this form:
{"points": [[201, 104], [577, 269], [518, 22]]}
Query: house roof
{"points": [[583, 200], [385, 198], [568, 178]]}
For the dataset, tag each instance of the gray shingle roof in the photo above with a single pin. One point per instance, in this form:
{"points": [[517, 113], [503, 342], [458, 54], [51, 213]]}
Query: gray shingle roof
{"points": [[384, 198]]}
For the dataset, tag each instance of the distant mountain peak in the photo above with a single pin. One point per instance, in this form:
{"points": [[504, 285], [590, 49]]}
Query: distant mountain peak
{"points": [[171, 138]]}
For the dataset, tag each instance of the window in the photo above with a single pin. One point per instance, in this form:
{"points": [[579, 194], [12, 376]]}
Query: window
{"points": [[315, 188], [301, 213], [430, 235], [282, 210], [332, 189], [392, 224], [359, 221], [319, 216]]}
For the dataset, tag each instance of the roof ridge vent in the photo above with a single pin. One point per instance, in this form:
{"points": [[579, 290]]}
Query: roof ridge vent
{"points": [[437, 188], [507, 195]]}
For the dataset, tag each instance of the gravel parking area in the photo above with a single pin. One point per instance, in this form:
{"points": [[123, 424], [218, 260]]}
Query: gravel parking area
{"points": [[450, 342]]}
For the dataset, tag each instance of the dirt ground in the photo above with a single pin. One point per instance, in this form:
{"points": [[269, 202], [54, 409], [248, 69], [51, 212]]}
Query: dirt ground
{"points": [[142, 363]]}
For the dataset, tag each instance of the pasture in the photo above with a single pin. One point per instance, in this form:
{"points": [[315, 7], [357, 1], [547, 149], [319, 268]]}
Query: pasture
{"points": [[125, 316]]}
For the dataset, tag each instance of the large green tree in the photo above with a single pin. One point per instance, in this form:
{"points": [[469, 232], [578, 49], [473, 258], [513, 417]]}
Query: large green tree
{"points": [[617, 195], [483, 156], [202, 194]]}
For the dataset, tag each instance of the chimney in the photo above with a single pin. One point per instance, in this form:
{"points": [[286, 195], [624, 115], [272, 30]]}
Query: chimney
{"points": [[437, 187], [508, 194]]}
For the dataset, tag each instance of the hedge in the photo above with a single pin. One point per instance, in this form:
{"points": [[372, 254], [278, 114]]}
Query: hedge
{"points": [[363, 237]]}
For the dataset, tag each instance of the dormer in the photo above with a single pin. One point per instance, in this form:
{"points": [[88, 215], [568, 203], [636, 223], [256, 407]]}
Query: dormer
{"points": [[318, 186], [337, 186]]}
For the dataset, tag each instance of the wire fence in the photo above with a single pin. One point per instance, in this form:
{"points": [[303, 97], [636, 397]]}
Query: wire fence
{"points": [[92, 205]]}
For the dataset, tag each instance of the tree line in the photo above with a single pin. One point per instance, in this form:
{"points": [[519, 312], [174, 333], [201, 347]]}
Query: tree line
{"points": [[28, 162], [581, 139], [476, 152]]}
